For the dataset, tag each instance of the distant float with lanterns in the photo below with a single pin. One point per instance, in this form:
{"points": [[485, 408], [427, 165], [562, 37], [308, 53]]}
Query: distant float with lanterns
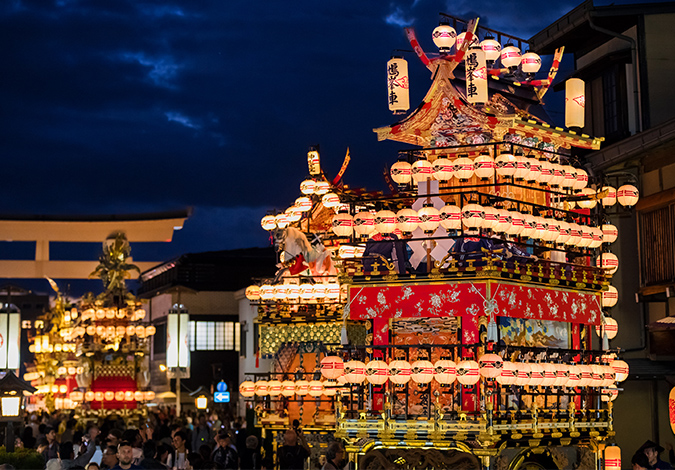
{"points": [[467, 298]]}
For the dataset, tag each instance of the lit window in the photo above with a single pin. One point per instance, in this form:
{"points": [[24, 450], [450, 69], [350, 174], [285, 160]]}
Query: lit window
{"points": [[214, 336]]}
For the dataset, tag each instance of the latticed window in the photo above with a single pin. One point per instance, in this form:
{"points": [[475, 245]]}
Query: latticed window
{"points": [[657, 245], [214, 336]]}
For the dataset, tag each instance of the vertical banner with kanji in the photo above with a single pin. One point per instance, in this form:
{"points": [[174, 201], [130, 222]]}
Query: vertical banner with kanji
{"points": [[476, 76]]}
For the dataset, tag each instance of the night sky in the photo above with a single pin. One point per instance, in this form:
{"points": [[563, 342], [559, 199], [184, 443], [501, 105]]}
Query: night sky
{"points": [[114, 106]]}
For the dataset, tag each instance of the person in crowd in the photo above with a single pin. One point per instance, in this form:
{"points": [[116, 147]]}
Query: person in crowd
{"points": [[52, 449], [225, 454], [250, 455], [27, 437], [109, 457], [163, 453], [201, 433], [652, 450], [334, 457], [114, 437], [133, 436], [294, 452], [195, 461], [125, 457], [150, 461], [67, 453], [92, 466], [640, 461], [205, 451], [178, 461]]}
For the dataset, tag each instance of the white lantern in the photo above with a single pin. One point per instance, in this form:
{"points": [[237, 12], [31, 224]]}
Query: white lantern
{"points": [[504, 221], [530, 62], [609, 233], [430, 218], [421, 171], [293, 293], [301, 388], [562, 374], [399, 372], [451, 217], [261, 388], [274, 388], [319, 291], [407, 220], [364, 223], [307, 187], [377, 372], [463, 168], [398, 89], [550, 374], [468, 372], [315, 388], [574, 378], [490, 365], [355, 372], [330, 200], [575, 235], [473, 216], [575, 102], [608, 261], [491, 217], [627, 195], [267, 292], [280, 292], [522, 167], [546, 172], [508, 374], [590, 201], [529, 226], [444, 37], [609, 393], [586, 237], [445, 371], [422, 372], [287, 388], [524, 371], [621, 370], [484, 166], [342, 224], [282, 220], [570, 177], [535, 169], [517, 223], [492, 48], [460, 40], [253, 292], [610, 199], [510, 56], [443, 169], [385, 221], [505, 164], [598, 375], [401, 172], [247, 389], [610, 327], [586, 375], [332, 291], [564, 233], [541, 229], [306, 292], [608, 376], [321, 188], [268, 222], [558, 175], [552, 230], [536, 374], [610, 297], [303, 204], [292, 214], [582, 180]]}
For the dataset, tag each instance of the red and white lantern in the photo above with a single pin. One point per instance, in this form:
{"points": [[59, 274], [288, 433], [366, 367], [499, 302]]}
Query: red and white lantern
{"points": [[628, 195], [287, 388], [609, 262], [451, 217], [610, 297], [377, 372], [490, 365], [468, 372], [355, 372], [445, 371], [443, 169], [261, 388], [332, 367], [274, 388], [610, 327], [401, 173], [422, 372], [399, 372], [247, 389], [422, 171], [621, 370]]}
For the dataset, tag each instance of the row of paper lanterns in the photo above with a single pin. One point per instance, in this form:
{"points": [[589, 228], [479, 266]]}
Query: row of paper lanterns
{"points": [[468, 372], [288, 388], [294, 213], [305, 292], [112, 313], [89, 396], [105, 332]]}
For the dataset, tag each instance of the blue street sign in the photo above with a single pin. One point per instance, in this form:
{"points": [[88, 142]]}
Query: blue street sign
{"points": [[221, 386], [221, 397]]}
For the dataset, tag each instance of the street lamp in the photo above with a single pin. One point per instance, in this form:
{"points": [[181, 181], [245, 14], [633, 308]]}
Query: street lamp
{"points": [[177, 347], [201, 402], [11, 403]]}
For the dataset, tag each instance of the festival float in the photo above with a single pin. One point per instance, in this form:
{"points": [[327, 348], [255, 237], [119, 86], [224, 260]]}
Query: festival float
{"points": [[92, 355], [480, 282]]}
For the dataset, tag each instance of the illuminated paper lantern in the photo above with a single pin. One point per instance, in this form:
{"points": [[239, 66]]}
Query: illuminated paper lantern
{"points": [[536, 374], [444, 37], [342, 224], [422, 171], [575, 102], [627, 195], [364, 223], [330, 388], [596, 234], [546, 174], [610, 199], [522, 167], [385, 221], [524, 371], [541, 228], [564, 233], [530, 63], [253, 292], [504, 221], [610, 327], [510, 56], [355, 372], [377, 372], [534, 173], [570, 177], [99, 396], [552, 230], [274, 388], [612, 458], [586, 375], [505, 164], [582, 180], [128, 396], [609, 233], [399, 372], [407, 220], [398, 89], [287, 388], [468, 372], [574, 377], [422, 372], [609, 262], [149, 395], [329, 200], [575, 235], [321, 188], [332, 291], [293, 214], [89, 396], [607, 394], [586, 237], [282, 220], [558, 175], [109, 396], [508, 374], [517, 223], [306, 292], [473, 216], [261, 388], [549, 373], [315, 388], [608, 376], [621, 370], [430, 218], [451, 217], [461, 38], [597, 375], [476, 74], [490, 365], [301, 388], [401, 172], [307, 187], [463, 168], [562, 375], [491, 217], [267, 292], [445, 371], [268, 222], [138, 396], [529, 225], [610, 297], [484, 166], [492, 48], [443, 169]]}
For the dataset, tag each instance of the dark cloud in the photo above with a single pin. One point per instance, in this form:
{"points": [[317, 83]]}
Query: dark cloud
{"points": [[125, 106]]}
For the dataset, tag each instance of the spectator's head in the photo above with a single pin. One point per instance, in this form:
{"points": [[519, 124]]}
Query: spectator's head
{"points": [[640, 461], [133, 437], [334, 453], [163, 452], [224, 438], [205, 452], [195, 459], [66, 450], [50, 434], [201, 419], [179, 438], [251, 442], [109, 458], [652, 450], [92, 466], [114, 437], [125, 453], [149, 449], [290, 437]]}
